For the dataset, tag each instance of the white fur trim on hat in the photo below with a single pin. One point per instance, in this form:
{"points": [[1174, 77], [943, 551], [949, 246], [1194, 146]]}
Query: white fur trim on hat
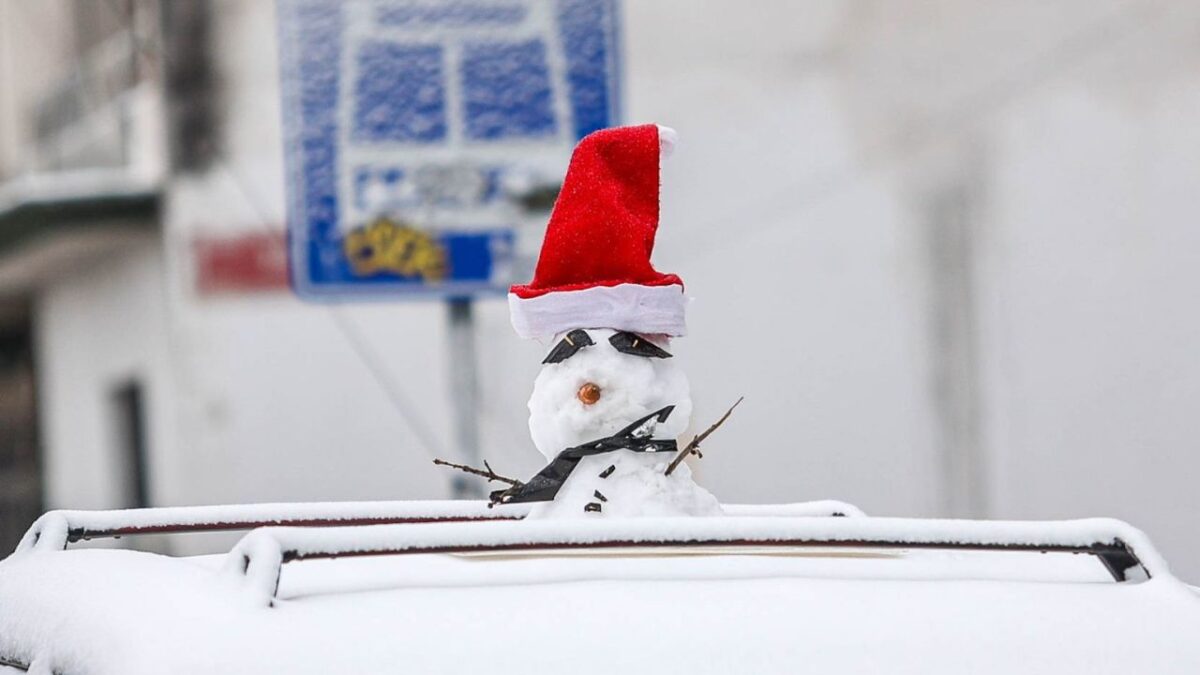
{"points": [[630, 307], [668, 138]]}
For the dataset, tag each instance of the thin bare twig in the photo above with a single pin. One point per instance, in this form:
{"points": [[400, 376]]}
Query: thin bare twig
{"points": [[488, 474], [694, 446]]}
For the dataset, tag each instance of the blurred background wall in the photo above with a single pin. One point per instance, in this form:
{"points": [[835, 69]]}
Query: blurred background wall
{"points": [[948, 252]]}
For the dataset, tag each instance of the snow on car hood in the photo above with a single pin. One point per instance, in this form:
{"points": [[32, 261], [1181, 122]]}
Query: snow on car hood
{"points": [[112, 611]]}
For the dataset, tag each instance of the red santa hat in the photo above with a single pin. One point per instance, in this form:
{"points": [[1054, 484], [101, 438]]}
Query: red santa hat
{"points": [[594, 270]]}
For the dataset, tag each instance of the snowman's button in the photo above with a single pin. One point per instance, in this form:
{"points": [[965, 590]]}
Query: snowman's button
{"points": [[592, 507], [608, 472]]}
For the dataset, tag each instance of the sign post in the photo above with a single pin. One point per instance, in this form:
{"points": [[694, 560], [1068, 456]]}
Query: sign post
{"points": [[464, 387], [414, 131]]}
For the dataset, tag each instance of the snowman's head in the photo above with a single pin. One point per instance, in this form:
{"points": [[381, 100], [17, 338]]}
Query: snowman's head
{"points": [[597, 381]]}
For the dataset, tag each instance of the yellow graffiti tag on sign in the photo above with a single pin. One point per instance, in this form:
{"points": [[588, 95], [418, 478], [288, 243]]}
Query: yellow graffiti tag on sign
{"points": [[387, 246]]}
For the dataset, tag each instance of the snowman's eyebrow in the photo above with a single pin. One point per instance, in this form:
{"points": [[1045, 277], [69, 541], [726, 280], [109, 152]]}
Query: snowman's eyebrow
{"points": [[630, 343], [566, 347]]}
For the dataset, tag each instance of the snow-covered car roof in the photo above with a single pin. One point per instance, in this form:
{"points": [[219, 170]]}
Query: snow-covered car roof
{"points": [[440, 589]]}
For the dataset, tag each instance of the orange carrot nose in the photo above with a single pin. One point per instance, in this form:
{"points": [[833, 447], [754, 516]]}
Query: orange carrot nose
{"points": [[588, 393]]}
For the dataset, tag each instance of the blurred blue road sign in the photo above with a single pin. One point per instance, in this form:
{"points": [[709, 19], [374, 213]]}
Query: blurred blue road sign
{"points": [[410, 126]]}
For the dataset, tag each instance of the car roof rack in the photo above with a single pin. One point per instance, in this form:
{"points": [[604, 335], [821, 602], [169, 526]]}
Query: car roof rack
{"points": [[56, 530], [257, 561]]}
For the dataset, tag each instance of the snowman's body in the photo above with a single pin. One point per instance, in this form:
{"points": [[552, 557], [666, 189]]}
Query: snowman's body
{"points": [[621, 482]]}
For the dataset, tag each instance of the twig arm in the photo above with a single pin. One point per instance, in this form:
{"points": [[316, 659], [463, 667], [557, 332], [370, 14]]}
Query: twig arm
{"points": [[488, 474], [694, 445]]}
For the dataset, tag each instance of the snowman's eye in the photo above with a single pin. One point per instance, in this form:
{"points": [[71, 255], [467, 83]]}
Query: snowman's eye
{"points": [[629, 343], [566, 347]]}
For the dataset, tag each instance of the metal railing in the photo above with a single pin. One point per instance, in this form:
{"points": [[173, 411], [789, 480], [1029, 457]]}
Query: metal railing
{"points": [[55, 530], [289, 533], [258, 560]]}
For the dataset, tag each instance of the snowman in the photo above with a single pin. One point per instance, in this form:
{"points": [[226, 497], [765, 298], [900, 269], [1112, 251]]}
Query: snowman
{"points": [[610, 399]]}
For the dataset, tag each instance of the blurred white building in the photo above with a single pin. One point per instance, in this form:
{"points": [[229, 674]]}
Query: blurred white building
{"points": [[947, 251]]}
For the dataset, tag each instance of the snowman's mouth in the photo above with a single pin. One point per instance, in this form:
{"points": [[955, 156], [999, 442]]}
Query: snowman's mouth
{"points": [[635, 437]]}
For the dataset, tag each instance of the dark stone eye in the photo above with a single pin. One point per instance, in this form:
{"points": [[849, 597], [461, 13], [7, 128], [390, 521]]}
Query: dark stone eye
{"points": [[566, 347], [630, 343]]}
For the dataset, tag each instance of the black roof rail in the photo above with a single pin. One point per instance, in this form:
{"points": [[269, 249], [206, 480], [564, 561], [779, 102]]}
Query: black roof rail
{"points": [[258, 560], [56, 530]]}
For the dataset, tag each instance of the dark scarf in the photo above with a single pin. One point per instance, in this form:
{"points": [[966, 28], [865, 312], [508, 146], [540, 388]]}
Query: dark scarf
{"points": [[545, 485]]}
